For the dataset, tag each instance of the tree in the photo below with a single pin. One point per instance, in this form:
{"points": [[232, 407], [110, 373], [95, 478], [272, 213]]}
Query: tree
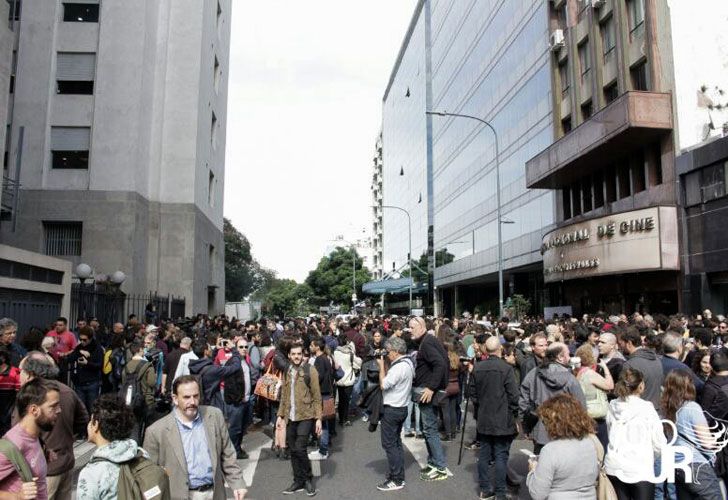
{"points": [[518, 305], [285, 297], [331, 281], [243, 274]]}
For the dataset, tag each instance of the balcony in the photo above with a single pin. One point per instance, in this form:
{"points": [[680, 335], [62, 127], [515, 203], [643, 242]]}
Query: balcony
{"points": [[632, 120]]}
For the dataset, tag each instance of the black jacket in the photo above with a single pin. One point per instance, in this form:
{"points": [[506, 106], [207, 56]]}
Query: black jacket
{"points": [[432, 364], [714, 399], [212, 376], [325, 372], [235, 384], [493, 386], [90, 372]]}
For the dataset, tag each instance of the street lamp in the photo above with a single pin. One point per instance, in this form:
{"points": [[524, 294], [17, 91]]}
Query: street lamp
{"points": [[498, 198], [409, 255], [83, 272]]}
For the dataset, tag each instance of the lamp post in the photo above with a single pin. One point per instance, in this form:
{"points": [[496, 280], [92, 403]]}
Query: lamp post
{"points": [[83, 272], [409, 254], [498, 198]]}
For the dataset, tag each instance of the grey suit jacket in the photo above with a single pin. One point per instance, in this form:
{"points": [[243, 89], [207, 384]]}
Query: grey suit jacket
{"points": [[164, 445]]}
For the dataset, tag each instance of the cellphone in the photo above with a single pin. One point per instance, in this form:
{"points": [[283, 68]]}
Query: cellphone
{"points": [[529, 453]]}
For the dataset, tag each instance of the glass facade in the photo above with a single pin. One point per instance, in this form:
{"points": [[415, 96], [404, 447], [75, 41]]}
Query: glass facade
{"points": [[488, 59]]}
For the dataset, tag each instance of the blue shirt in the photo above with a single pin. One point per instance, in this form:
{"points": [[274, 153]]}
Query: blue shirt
{"points": [[688, 417], [197, 452]]}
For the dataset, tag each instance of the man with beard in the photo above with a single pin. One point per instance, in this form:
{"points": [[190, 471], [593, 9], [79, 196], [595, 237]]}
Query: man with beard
{"points": [[38, 404], [72, 420], [193, 444]]}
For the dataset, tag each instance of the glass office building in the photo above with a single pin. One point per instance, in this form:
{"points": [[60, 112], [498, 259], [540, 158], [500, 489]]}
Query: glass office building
{"points": [[489, 59]]}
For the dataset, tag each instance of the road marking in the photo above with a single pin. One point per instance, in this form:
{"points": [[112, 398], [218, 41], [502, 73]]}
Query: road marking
{"points": [[253, 443], [418, 448]]}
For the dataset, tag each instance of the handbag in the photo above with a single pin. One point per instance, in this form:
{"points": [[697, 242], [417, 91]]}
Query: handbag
{"points": [[597, 404], [329, 407], [269, 385], [605, 490]]}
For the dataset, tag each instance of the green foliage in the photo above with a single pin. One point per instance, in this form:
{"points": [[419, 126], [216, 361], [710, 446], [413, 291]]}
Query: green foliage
{"points": [[285, 297], [331, 281], [243, 274], [518, 306]]}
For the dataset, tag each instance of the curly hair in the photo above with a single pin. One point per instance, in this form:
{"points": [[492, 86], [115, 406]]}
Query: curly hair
{"points": [[587, 356], [697, 360], [677, 389], [115, 419], [565, 418]]}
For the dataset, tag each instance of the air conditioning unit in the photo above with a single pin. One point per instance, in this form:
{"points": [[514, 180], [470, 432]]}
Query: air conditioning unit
{"points": [[596, 4], [557, 40]]}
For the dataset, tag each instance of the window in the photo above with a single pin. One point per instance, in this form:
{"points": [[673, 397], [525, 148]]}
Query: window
{"points": [[211, 189], [636, 12], [598, 190], [638, 75], [213, 130], [566, 200], [80, 12], [211, 261], [75, 72], [62, 238], [713, 182], [566, 125], [14, 10], [564, 77], [584, 59], [608, 38], [611, 92], [217, 73], [587, 110], [70, 147], [623, 175], [13, 70], [587, 194]]}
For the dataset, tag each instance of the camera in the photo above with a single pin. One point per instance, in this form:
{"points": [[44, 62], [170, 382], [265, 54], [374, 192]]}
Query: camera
{"points": [[575, 362], [381, 353], [465, 359]]}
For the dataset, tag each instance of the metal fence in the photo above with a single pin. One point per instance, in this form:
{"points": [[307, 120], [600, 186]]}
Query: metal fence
{"points": [[109, 305]]}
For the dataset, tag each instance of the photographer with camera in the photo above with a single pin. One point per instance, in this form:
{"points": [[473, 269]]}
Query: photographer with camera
{"points": [[396, 385], [553, 377], [86, 360]]}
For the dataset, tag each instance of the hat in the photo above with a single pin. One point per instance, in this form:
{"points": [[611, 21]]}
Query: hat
{"points": [[151, 328]]}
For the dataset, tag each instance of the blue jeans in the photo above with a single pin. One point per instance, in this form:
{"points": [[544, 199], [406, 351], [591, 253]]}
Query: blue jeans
{"points": [[88, 393], [497, 447], [408, 422], [435, 453], [391, 422], [357, 390], [238, 417], [705, 484], [324, 438]]}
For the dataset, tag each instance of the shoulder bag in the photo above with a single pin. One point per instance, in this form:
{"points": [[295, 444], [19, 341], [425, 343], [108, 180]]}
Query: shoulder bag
{"points": [[269, 385], [605, 490]]}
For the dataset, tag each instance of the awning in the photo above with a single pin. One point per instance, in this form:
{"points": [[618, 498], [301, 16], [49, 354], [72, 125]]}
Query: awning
{"points": [[401, 285]]}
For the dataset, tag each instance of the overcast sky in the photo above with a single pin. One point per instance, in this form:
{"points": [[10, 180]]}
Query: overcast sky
{"points": [[304, 109]]}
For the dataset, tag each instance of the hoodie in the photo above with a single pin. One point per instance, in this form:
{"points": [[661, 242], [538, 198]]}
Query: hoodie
{"points": [[211, 375], [635, 438], [346, 358], [99, 479], [541, 384], [646, 361]]}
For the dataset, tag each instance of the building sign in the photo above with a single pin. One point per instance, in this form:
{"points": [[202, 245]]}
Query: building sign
{"points": [[641, 240]]}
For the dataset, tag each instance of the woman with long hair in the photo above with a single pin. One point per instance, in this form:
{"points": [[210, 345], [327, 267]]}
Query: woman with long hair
{"points": [[449, 402], [567, 466], [635, 439], [679, 406], [701, 364]]}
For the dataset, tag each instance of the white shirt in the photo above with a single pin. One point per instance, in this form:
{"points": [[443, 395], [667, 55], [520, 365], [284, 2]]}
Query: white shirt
{"points": [[183, 367], [397, 385]]}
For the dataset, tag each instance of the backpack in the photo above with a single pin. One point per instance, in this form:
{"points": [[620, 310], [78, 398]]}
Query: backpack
{"points": [[108, 365], [118, 362], [15, 457], [141, 479], [131, 391]]}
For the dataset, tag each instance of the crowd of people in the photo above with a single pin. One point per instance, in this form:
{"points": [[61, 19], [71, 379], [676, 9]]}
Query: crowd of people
{"points": [[594, 394]]}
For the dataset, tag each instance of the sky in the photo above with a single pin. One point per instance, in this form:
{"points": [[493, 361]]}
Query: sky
{"points": [[306, 81]]}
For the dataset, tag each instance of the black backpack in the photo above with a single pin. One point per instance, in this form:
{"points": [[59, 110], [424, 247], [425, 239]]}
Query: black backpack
{"points": [[131, 391]]}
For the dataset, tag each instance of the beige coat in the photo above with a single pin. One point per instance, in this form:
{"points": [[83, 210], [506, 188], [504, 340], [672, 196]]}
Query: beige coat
{"points": [[164, 445]]}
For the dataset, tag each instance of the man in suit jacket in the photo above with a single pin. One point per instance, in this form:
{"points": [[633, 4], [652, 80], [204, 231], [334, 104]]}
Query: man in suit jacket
{"points": [[193, 444]]}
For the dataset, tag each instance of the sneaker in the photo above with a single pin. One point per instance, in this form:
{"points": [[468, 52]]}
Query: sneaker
{"points": [[365, 418], [294, 488], [426, 469], [390, 485], [310, 490], [409, 434], [317, 455], [487, 495], [475, 445], [435, 474]]}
